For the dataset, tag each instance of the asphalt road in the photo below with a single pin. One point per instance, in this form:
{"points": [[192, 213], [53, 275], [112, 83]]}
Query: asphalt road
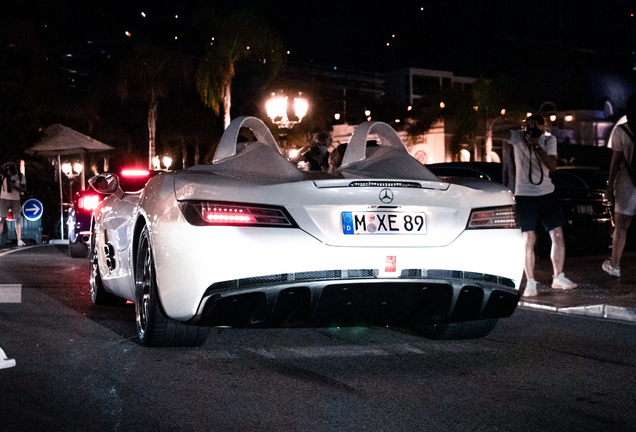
{"points": [[80, 368]]}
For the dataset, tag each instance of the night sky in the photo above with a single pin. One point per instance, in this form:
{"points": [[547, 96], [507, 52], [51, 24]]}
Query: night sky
{"points": [[462, 36]]}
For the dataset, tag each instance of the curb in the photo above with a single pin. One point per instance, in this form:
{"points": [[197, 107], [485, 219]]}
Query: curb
{"points": [[614, 313]]}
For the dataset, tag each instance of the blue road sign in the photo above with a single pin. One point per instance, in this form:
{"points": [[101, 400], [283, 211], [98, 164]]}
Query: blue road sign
{"points": [[32, 209]]}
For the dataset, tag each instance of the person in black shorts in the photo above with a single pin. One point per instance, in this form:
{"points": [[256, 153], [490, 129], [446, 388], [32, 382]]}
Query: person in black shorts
{"points": [[535, 155]]}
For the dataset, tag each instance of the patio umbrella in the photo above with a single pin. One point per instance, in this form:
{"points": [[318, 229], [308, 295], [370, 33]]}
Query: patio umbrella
{"points": [[61, 140]]}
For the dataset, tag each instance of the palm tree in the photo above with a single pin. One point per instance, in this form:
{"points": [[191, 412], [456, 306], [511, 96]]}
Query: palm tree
{"points": [[233, 39], [147, 73], [466, 112]]}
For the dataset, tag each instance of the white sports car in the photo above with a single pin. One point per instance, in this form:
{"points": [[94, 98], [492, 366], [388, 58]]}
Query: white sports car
{"points": [[251, 241]]}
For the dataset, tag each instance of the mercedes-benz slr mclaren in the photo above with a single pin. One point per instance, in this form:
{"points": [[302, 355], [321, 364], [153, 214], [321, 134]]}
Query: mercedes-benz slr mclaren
{"points": [[252, 241]]}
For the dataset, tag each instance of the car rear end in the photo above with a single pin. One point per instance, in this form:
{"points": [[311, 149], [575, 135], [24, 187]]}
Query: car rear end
{"points": [[307, 254]]}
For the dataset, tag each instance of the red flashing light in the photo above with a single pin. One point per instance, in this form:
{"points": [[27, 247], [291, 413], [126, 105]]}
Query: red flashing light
{"points": [[135, 173]]}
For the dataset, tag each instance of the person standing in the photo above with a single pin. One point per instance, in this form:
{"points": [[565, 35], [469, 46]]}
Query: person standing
{"points": [[13, 183], [621, 188], [535, 155], [318, 154]]}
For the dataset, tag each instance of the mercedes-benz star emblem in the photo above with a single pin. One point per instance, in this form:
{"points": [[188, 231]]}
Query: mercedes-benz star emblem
{"points": [[386, 196]]}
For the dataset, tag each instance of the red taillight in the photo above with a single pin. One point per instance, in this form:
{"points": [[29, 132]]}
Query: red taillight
{"points": [[494, 217], [221, 216], [135, 173], [89, 202], [204, 213]]}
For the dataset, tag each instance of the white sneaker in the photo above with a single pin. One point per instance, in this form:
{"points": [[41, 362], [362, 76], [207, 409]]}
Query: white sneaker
{"points": [[20, 243], [561, 282], [531, 288], [613, 271], [4, 361]]}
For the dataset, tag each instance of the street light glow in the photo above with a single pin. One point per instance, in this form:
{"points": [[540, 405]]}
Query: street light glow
{"points": [[300, 107], [276, 106], [276, 109]]}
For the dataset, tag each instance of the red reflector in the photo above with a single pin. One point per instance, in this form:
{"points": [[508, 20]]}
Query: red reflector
{"points": [[135, 173]]}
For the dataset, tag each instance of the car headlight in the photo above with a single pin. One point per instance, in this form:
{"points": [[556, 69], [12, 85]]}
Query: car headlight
{"points": [[218, 213], [492, 217]]}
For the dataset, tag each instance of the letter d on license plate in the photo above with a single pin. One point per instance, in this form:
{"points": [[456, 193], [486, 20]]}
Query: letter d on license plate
{"points": [[383, 223]]}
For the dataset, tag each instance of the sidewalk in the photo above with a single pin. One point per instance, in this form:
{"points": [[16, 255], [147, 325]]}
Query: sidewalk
{"points": [[598, 295]]}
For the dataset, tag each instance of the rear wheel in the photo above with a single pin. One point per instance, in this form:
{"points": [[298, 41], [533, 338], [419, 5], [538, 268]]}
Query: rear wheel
{"points": [[99, 295], [460, 330], [77, 249], [154, 328]]}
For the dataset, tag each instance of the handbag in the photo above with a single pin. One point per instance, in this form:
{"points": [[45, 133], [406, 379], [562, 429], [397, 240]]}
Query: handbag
{"points": [[631, 167]]}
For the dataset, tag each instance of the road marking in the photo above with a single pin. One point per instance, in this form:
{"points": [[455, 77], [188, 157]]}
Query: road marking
{"points": [[10, 293], [17, 249]]}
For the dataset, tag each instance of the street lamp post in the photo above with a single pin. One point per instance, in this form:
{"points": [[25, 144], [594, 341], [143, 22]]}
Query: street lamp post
{"points": [[71, 171], [277, 111]]}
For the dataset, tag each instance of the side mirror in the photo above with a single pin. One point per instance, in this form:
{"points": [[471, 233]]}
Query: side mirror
{"points": [[106, 184]]}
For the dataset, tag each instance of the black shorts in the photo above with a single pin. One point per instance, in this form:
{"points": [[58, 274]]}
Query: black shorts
{"points": [[544, 208]]}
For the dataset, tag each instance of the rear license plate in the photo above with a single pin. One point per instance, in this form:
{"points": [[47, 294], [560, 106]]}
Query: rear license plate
{"points": [[383, 223]]}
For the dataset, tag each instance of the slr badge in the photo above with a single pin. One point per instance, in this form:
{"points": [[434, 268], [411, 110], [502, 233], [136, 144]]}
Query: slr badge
{"points": [[386, 196]]}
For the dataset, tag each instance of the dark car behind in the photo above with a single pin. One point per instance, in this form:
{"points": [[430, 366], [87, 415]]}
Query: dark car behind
{"points": [[582, 192]]}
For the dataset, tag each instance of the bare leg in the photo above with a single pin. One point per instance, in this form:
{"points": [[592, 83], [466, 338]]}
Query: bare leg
{"points": [[529, 238], [557, 253], [18, 229], [622, 222]]}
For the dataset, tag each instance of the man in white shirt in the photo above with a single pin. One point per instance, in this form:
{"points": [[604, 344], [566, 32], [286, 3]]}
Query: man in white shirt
{"points": [[13, 183], [535, 155]]}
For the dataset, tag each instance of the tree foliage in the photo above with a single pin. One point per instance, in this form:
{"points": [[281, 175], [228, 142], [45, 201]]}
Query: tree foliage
{"points": [[234, 39], [465, 111]]}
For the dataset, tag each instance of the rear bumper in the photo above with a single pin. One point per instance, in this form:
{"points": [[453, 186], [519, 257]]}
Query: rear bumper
{"points": [[196, 265], [357, 298]]}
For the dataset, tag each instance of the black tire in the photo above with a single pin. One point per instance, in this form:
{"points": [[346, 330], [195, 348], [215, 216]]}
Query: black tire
{"points": [[77, 249], [460, 330], [99, 295], [154, 328]]}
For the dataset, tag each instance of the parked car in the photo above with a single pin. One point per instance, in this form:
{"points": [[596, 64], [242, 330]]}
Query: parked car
{"points": [[84, 202], [582, 192], [252, 241]]}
